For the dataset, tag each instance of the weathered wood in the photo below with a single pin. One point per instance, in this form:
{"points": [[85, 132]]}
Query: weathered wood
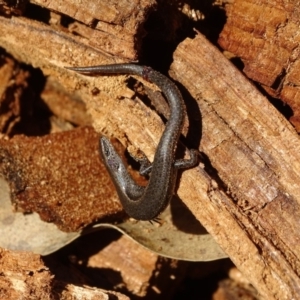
{"points": [[116, 25], [25, 276], [235, 288], [104, 42], [264, 34], [255, 153], [142, 272]]}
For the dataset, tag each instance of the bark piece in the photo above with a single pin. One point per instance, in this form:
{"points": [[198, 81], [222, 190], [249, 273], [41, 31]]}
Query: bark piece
{"points": [[135, 273], [65, 50], [115, 262], [25, 276], [265, 36], [60, 176], [112, 12], [115, 24], [136, 270], [255, 152], [56, 50], [115, 33], [229, 290], [235, 287], [77, 293]]}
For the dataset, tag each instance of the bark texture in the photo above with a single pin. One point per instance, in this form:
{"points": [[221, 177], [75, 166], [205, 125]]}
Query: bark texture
{"points": [[25, 276], [245, 139], [264, 34]]}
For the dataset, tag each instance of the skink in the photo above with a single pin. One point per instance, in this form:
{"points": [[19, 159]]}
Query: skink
{"points": [[146, 203]]}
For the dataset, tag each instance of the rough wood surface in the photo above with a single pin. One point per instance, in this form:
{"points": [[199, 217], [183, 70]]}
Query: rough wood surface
{"points": [[115, 33], [264, 34], [143, 273], [116, 25], [45, 175], [25, 276], [255, 152], [235, 288]]}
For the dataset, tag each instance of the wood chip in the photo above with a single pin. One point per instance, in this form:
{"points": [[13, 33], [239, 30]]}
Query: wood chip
{"points": [[61, 177]]}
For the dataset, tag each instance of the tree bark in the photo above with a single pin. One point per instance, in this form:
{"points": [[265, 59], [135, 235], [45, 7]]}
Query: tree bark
{"points": [[264, 35]]}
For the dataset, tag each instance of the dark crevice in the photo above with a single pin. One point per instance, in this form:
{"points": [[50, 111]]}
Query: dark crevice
{"points": [[38, 13], [34, 115], [281, 106], [65, 21], [239, 64], [167, 27], [278, 82]]}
